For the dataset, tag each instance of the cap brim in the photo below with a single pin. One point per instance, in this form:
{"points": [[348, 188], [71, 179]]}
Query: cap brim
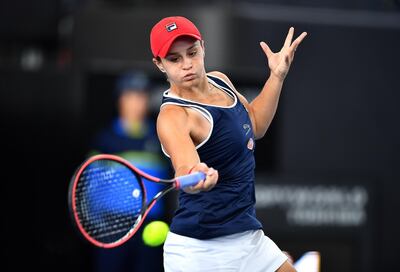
{"points": [[164, 50]]}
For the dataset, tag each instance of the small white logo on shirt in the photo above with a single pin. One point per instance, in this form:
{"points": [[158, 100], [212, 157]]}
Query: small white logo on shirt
{"points": [[247, 127]]}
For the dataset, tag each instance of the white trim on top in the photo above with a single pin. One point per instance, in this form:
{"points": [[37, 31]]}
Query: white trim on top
{"points": [[226, 90], [205, 113]]}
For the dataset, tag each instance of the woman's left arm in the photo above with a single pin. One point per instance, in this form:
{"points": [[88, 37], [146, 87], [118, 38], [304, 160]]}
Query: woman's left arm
{"points": [[263, 107]]}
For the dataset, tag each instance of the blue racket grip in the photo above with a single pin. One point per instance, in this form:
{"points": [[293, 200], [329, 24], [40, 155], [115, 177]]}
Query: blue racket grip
{"points": [[189, 180]]}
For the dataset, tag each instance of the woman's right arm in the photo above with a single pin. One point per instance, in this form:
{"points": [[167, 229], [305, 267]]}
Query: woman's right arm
{"points": [[173, 129]]}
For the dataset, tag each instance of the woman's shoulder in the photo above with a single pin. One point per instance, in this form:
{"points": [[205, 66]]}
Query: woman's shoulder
{"points": [[171, 109], [222, 77], [218, 74]]}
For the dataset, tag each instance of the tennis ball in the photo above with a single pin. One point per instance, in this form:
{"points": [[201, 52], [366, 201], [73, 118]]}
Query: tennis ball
{"points": [[155, 233]]}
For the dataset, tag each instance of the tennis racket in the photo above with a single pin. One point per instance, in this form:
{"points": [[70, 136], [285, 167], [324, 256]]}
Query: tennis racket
{"points": [[107, 198]]}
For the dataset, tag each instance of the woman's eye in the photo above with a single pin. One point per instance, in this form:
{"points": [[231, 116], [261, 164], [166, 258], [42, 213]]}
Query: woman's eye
{"points": [[193, 53], [173, 59]]}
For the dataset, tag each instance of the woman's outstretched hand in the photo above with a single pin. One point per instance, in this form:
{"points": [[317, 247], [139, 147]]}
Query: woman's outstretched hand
{"points": [[279, 62]]}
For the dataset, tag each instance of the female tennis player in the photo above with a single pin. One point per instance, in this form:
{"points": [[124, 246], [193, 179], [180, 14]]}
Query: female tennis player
{"points": [[204, 124]]}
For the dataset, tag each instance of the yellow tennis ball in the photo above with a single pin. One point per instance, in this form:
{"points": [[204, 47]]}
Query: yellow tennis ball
{"points": [[155, 233]]}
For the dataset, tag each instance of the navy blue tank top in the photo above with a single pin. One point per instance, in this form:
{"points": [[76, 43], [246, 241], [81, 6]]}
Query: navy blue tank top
{"points": [[229, 148]]}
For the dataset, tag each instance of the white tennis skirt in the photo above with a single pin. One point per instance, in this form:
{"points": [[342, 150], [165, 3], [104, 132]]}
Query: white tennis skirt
{"points": [[244, 252]]}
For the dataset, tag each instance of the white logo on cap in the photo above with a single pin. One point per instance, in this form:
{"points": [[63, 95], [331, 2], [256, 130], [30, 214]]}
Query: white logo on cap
{"points": [[171, 26]]}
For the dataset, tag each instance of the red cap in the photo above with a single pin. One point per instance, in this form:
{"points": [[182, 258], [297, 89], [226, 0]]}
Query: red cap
{"points": [[164, 33]]}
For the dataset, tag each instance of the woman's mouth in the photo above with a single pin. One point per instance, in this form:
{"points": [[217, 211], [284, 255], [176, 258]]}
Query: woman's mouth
{"points": [[189, 77]]}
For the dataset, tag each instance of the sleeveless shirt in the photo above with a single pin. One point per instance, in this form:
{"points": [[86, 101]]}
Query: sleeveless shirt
{"points": [[229, 148]]}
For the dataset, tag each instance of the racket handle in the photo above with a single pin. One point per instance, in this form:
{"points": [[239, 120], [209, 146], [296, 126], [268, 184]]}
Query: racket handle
{"points": [[189, 180]]}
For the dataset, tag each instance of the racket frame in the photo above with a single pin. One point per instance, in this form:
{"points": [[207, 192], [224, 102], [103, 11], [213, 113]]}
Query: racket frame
{"points": [[176, 183], [139, 174]]}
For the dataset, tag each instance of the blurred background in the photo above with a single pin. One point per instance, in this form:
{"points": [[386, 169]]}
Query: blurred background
{"points": [[327, 170]]}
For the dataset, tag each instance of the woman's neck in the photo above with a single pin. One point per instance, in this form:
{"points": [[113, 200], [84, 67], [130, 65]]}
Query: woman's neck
{"points": [[199, 90]]}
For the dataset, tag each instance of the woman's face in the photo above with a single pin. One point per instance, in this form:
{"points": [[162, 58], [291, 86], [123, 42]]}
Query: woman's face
{"points": [[184, 63]]}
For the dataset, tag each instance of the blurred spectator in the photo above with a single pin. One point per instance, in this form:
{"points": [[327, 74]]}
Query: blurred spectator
{"points": [[132, 135]]}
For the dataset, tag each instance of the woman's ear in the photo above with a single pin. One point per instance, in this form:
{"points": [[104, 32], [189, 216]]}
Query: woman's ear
{"points": [[204, 49], [159, 65]]}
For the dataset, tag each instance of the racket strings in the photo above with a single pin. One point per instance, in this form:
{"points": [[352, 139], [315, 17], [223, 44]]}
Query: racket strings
{"points": [[109, 200]]}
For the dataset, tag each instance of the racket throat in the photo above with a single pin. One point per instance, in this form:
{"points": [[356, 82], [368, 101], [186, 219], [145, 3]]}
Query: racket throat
{"points": [[159, 195]]}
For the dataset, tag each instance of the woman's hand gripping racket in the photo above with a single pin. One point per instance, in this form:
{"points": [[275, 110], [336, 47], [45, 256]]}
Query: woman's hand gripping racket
{"points": [[107, 198]]}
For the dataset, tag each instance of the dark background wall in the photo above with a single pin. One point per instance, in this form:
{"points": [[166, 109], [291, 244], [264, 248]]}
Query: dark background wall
{"points": [[335, 133]]}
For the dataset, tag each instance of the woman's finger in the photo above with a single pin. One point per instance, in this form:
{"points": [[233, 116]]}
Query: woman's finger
{"points": [[296, 42], [266, 49], [289, 38]]}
